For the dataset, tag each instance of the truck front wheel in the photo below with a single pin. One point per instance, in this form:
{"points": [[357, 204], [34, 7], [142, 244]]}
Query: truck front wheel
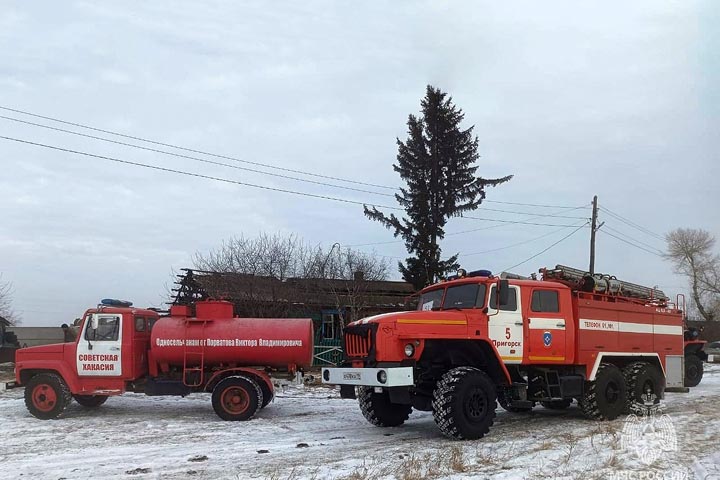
{"points": [[464, 403], [693, 370], [47, 395], [236, 398], [605, 398], [90, 401], [378, 410]]}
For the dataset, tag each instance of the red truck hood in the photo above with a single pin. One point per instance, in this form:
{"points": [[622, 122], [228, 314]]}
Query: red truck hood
{"points": [[28, 353], [413, 315]]}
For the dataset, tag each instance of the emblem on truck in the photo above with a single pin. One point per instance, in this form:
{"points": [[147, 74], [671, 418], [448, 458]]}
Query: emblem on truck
{"points": [[547, 338]]}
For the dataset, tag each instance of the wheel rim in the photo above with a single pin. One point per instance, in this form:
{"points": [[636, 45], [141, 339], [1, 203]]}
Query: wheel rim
{"points": [[44, 397], [648, 387], [476, 404], [612, 392], [692, 371], [235, 400]]}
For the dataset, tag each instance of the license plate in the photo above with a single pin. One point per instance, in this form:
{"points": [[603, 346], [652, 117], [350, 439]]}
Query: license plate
{"points": [[352, 376]]}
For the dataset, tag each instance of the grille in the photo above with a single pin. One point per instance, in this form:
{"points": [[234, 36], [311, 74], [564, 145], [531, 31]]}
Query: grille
{"points": [[358, 345]]}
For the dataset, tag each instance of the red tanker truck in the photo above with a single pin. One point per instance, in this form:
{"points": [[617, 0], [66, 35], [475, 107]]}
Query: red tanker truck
{"points": [[197, 348]]}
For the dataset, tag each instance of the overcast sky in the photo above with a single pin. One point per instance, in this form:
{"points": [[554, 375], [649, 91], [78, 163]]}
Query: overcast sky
{"points": [[618, 99]]}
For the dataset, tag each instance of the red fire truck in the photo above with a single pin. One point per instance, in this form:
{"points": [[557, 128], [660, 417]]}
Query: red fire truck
{"points": [[197, 348], [521, 341]]}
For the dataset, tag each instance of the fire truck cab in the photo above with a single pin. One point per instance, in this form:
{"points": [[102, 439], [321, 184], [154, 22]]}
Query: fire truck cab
{"points": [[477, 339]]}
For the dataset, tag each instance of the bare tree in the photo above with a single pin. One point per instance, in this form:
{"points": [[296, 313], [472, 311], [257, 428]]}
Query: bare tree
{"points": [[356, 272], [6, 310], [274, 275], [691, 252]]}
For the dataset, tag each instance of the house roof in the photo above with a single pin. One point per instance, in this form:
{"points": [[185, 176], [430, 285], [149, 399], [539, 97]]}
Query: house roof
{"points": [[197, 284]]}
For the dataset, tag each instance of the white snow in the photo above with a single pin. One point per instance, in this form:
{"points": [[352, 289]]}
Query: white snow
{"points": [[139, 437]]}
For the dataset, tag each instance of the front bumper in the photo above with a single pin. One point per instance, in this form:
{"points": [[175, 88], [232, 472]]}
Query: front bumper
{"points": [[369, 377]]}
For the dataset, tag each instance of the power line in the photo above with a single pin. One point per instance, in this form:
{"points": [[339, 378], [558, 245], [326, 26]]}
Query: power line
{"points": [[631, 223], [630, 243], [628, 237], [226, 157], [527, 204], [514, 222], [235, 159], [517, 244], [548, 248], [500, 224], [198, 175], [197, 159], [481, 208]]}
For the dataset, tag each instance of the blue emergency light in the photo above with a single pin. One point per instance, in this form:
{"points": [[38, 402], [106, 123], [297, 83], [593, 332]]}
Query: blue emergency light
{"points": [[113, 302]]}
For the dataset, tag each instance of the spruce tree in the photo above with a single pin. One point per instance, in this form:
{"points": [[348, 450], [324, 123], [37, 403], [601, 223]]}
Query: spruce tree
{"points": [[437, 162]]}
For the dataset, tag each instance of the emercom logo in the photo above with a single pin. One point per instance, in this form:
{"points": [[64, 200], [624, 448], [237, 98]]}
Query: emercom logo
{"points": [[648, 432]]}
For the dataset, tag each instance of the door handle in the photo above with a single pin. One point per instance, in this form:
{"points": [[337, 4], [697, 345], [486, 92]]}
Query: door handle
{"points": [[115, 349], [518, 324], [560, 325]]}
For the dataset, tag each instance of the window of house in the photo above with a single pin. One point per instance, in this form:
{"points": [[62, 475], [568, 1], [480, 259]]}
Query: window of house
{"points": [[510, 306], [327, 328], [545, 301]]}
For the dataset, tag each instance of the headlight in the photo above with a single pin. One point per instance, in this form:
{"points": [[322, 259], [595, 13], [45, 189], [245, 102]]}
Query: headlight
{"points": [[409, 350], [382, 376]]}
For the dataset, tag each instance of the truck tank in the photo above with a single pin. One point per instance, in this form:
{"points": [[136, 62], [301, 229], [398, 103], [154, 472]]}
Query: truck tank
{"points": [[219, 338]]}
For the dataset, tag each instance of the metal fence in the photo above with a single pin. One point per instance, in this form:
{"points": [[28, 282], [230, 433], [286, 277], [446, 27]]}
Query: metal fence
{"points": [[327, 353]]}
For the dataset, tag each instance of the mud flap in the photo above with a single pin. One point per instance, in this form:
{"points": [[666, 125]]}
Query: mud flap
{"points": [[347, 392]]}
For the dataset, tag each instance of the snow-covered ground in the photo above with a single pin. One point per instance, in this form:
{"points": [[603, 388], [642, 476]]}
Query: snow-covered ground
{"points": [[311, 433]]}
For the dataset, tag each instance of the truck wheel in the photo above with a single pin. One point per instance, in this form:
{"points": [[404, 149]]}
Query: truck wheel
{"points": [[606, 397], [642, 378], [693, 370], [236, 398], [267, 393], [378, 410], [90, 401], [464, 403], [557, 404], [47, 395], [504, 399]]}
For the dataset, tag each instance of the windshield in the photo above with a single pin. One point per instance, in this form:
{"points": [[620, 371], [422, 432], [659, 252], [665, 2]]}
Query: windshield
{"points": [[430, 300], [460, 296], [465, 296]]}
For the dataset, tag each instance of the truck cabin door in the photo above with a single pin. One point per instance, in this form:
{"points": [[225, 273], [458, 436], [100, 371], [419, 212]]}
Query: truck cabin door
{"points": [[505, 326], [99, 351], [546, 327]]}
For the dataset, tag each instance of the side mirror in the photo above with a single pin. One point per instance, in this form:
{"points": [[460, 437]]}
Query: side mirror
{"points": [[94, 321], [503, 296]]}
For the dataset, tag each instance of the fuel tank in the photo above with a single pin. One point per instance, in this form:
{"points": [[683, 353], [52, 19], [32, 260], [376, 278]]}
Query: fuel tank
{"points": [[214, 336]]}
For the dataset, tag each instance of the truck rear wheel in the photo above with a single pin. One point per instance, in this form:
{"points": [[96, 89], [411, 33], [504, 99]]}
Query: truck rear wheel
{"points": [[464, 403], [378, 410], [267, 393], [47, 395], [236, 398], [605, 398], [643, 379], [693, 370], [90, 401]]}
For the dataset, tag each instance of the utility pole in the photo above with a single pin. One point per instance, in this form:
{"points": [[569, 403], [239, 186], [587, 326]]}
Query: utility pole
{"points": [[594, 227]]}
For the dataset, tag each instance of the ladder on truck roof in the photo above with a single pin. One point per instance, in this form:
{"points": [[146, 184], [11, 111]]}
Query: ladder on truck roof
{"points": [[601, 283], [194, 355]]}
